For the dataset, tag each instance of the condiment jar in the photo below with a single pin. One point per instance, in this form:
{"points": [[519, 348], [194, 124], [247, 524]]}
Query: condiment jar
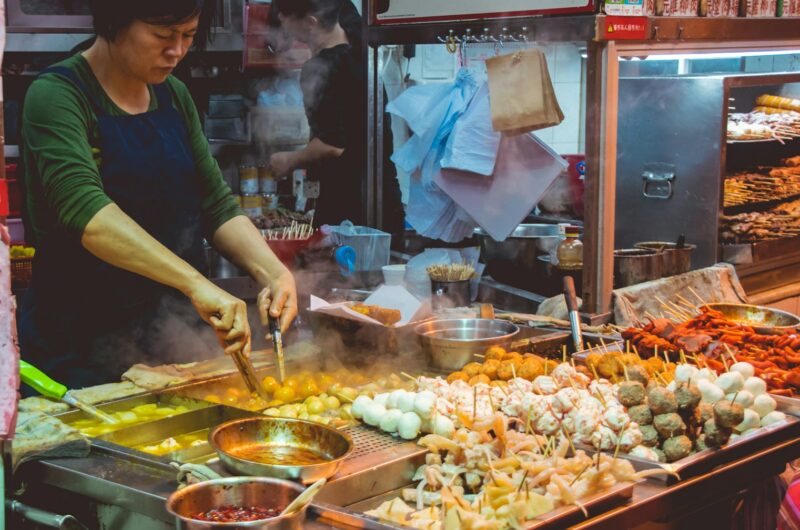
{"points": [[570, 251], [252, 204], [269, 202], [266, 181], [248, 180]]}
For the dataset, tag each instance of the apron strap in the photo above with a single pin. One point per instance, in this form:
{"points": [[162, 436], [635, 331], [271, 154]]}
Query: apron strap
{"points": [[71, 76]]}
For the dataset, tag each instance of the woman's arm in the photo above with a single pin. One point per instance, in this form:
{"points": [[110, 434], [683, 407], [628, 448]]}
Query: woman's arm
{"points": [[316, 151], [242, 243], [117, 239]]}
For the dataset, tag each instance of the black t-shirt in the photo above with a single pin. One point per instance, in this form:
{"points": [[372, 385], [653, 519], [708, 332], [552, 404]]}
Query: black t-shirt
{"points": [[335, 97]]}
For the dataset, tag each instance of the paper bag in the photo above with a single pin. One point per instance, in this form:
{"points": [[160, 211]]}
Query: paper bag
{"points": [[521, 93]]}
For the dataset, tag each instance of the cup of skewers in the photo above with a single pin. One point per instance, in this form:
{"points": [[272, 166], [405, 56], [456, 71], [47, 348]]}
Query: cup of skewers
{"points": [[289, 241]]}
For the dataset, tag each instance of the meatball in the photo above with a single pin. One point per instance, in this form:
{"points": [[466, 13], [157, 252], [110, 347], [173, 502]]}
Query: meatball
{"points": [[677, 447], [641, 414], [490, 368], [505, 371], [669, 425], [531, 369], [649, 435], [631, 393], [688, 397], [700, 444], [715, 436], [706, 411], [480, 378], [637, 372], [495, 353], [513, 356], [609, 366], [472, 369], [661, 456], [728, 415], [661, 401], [593, 360], [457, 376]]}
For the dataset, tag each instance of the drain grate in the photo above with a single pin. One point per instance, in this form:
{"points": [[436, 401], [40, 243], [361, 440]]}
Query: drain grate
{"points": [[367, 441]]}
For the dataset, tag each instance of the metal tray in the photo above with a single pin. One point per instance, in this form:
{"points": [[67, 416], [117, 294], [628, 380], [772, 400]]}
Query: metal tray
{"points": [[127, 403], [705, 461], [558, 518]]}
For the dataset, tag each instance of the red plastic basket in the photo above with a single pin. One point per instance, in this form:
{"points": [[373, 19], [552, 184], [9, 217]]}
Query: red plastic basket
{"points": [[21, 272]]}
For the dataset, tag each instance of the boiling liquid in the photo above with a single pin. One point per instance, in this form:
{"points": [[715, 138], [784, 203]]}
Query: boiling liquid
{"points": [[285, 455]]}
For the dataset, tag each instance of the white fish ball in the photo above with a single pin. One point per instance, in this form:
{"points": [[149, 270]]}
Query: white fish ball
{"points": [[359, 406], [763, 404], [751, 420], [390, 419], [381, 399], [746, 369], [406, 402], [743, 398], [730, 382], [374, 414], [706, 373], [685, 372], [755, 385], [711, 393], [773, 417], [408, 426]]}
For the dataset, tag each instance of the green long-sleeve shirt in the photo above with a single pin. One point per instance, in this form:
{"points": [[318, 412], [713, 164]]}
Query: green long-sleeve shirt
{"points": [[62, 159]]}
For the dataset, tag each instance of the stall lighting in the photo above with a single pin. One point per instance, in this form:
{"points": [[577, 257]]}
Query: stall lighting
{"points": [[714, 55]]}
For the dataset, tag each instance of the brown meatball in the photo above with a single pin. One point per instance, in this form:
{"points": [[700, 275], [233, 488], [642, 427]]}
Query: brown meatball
{"points": [[641, 415], [637, 372], [631, 393], [495, 353], [457, 376], [715, 436], [728, 415], [669, 425], [661, 401], [688, 397], [490, 368], [480, 378], [472, 369], [649, 435], [531, 369], [677, 448], [706, 411]]}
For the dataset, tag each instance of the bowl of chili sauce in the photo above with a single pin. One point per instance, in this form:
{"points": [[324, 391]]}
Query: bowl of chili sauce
{"points": [[236, 502]]}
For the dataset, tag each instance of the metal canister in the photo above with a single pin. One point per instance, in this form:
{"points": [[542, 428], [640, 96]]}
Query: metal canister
{"points": [[248, 180], [251, 204], [266, 180], [269, 202]]}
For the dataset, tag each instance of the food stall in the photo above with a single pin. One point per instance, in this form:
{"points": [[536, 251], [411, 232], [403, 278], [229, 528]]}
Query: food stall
{"points": [[436, 439]]}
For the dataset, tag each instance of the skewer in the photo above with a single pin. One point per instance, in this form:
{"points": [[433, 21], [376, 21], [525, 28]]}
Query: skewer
{"points": [[700, 298]]}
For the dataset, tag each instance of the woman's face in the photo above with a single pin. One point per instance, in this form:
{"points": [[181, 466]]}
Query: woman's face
{"points": [[149, 52]]}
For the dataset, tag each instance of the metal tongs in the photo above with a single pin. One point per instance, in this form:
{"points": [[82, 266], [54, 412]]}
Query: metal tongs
{"points": [[277, 342], [245, 367], [39, 381]]}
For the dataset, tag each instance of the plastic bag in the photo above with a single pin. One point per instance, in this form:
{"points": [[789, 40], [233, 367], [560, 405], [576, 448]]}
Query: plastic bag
{"points": [[473, 145]]}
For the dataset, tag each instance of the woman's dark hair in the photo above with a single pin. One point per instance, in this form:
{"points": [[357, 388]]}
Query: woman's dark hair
{"points": [[349, 19], [326, 11], [111, 17]]}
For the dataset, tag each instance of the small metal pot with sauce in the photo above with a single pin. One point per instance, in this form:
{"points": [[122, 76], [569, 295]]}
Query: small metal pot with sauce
{"points": [[261, 492]]}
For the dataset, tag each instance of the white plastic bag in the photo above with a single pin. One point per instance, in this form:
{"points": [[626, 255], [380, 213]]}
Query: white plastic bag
{"points": [[473, 144]]}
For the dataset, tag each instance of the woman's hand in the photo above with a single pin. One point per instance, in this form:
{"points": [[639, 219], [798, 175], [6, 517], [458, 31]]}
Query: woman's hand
{"points": [[279, 299], [282, 163], [226, 314]]}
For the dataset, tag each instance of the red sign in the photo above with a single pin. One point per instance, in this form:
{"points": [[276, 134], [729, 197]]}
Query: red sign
{"points": [[4, 211], [624, 28]]}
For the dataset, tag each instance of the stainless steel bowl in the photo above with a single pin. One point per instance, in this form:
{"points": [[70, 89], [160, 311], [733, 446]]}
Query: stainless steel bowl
{"points": [[232, 438], [763, 320], [453, 343], [236, 491]]}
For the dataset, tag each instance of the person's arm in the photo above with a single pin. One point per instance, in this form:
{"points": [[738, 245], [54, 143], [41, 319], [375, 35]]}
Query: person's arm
{"points": [[115, 238], [56, 124], [315, 152], [240, 241]]}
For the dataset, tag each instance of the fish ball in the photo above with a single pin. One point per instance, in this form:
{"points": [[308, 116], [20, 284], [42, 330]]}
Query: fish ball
{"points": [[706, 373], [763, 404], [755, 385], [406, 402], [374, 414], [409, 425], [743, 398], [390, 419], [443, 426], [360, 406], [773, 417], [730, 382], [424, 402], [746, 369], [685, 373], [751, 421], [711, 392]]}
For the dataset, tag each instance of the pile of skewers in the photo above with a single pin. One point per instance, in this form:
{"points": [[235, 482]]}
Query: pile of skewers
{"points": [[756, 126], [295, 231], [782, 221], [749, 188], [451, 273]]}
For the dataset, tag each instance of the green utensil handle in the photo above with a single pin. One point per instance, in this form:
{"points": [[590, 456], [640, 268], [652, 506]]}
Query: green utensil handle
{"points": [[39, 381]]}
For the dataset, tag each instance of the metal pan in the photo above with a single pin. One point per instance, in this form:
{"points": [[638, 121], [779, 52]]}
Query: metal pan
{"points": [[282, 439], [763, 320]]}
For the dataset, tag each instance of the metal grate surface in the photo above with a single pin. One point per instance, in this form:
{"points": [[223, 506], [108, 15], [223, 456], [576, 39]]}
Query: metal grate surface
{"points": [[367, 441]]}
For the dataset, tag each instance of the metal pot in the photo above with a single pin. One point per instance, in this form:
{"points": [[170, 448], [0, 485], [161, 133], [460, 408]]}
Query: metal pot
{"points": [[763, 320], [236, 491], [229, 438], [453, 343], [513, 261], [675, 260], [635, 265]]}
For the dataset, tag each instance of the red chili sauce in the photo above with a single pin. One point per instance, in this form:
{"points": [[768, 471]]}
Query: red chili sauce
{"points": [[237, 514]]}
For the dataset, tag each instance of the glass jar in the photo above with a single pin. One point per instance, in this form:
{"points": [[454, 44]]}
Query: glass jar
{"points": [[570, 250]]}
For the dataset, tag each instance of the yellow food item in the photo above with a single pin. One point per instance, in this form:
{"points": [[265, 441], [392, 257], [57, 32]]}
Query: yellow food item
{"points": [[285, 393], [496, 353], [212, 398], [270, 385]]}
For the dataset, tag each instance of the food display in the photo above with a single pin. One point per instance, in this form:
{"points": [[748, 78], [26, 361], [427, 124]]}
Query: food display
{"points": [[128, 418], [776, 223], [237, 514], [773, 184], [760, 125], [478, 479], [710, 340], [279, 218], [500, 366], [387, 317]]}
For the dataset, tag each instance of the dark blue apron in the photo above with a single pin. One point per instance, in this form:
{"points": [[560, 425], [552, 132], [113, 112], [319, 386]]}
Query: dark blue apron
{"points": [[84, 321]]}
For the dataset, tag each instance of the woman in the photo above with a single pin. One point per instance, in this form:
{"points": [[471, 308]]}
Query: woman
{"points": [[120, 191]]}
